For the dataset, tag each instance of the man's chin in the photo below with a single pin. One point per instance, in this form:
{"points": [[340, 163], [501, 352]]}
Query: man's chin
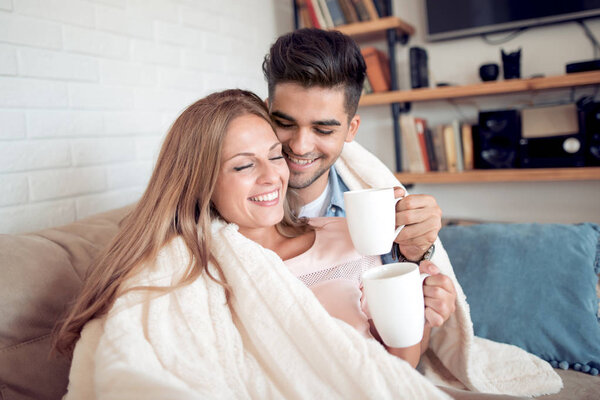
{"points": [[302, 182]]}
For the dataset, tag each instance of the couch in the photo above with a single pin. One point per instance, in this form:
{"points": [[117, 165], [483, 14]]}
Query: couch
{"points": [[41, 272]]}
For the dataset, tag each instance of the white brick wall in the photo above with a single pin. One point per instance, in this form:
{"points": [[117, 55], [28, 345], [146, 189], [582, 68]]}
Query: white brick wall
{"points": [[88, 89]]}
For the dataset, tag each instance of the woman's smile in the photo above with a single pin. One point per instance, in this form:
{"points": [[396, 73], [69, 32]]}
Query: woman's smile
{"points": [[266, 199]]}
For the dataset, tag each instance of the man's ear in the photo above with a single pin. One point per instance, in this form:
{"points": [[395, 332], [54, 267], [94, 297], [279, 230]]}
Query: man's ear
{"points": [[267, 103], [353, 128]]}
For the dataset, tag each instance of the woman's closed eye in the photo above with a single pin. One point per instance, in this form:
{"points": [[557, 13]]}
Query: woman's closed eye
{"points": [[243, 167]]}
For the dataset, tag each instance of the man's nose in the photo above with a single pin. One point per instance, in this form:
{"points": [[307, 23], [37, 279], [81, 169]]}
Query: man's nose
{"points": [[301, 142]]}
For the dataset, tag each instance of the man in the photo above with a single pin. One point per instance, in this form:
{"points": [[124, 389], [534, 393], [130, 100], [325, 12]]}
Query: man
{"points": [[315, 80]]}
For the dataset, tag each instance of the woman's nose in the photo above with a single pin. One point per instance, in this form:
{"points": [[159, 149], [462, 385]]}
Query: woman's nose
{"points": [[268, 173], [301, 142]]}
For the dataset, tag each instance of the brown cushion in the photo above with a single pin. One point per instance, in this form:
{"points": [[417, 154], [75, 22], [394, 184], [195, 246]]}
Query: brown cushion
{"points": [[40, 273]]}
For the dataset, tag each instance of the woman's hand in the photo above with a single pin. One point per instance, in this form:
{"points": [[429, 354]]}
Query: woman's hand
{"points": [[439, 293]]}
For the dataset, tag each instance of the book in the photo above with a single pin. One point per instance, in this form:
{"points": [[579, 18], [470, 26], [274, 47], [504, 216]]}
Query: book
{"points": [[336, 13], [367, 89], [460, 163], [378, 69], [319, 14], [304, 15], [450, 148], [439, 147], [361, 10], [314, 20], [410, 141], [467, 143], [433, 163], [370, 6], [381, 6], [325, 13], [420, 125], [349, 11]]}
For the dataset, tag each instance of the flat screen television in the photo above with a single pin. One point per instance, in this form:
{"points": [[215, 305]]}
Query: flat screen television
{"points": [[449, 19]]}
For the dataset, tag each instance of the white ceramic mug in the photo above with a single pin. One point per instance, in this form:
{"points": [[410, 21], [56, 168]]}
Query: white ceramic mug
{"points": [[394, 294], [371, 216]]}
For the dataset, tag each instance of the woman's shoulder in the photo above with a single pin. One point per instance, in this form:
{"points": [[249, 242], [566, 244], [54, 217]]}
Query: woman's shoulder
{"points": [[329, 224]]}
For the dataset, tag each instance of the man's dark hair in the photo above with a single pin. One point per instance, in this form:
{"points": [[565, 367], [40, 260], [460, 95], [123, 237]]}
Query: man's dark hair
{"points": [[314, 57]]}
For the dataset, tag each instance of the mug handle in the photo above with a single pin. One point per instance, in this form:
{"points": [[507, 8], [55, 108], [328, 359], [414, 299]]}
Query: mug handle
{"points": [[399, 228], [423, 276]]}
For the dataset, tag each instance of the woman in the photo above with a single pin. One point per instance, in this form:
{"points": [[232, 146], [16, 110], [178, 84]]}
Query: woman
{"points": [[181, 305]]}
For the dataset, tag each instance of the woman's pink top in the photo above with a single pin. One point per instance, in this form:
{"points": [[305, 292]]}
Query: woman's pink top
{"points": [[332, 268]]}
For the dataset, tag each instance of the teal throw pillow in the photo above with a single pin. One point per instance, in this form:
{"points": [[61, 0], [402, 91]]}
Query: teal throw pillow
{"points": [[533, 286]]}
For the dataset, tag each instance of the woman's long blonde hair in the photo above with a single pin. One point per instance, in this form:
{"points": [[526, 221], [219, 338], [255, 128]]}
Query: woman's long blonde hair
{"points": [[175, 203]]}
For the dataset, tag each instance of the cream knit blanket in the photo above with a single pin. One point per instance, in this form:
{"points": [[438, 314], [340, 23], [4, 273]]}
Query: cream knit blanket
{"points": [[274, 340]]}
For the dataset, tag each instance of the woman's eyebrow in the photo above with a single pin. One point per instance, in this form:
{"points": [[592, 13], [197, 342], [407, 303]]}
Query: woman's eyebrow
{"points": [[252, 154]]}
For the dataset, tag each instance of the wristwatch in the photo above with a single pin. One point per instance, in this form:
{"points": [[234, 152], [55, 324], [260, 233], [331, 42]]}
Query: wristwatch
{"points": [[400, 257]]}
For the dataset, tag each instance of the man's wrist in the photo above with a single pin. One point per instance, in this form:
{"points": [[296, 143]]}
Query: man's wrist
{"points": [[427, 255]]}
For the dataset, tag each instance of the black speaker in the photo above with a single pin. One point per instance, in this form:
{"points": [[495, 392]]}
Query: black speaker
{"points": [[551, 137], [589, 123], [419, 70], [496, 144], [552, 152]]}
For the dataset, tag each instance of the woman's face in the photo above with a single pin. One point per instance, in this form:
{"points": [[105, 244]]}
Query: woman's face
{"points": [[253, 179]]}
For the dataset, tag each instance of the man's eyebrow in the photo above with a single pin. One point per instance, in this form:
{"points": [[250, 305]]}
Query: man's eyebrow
{"points": [[283, 115], [324, 122], [251, 154]]}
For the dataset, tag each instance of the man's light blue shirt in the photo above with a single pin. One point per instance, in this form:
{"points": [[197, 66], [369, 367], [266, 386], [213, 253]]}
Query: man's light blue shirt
{"points": [[335, 208]]}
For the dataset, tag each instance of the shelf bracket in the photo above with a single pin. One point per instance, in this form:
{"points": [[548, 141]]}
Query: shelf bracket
{"points": [[399, 108], [403, 38]]}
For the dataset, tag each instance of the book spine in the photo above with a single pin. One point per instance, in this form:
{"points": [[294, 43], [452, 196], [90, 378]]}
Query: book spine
{"points": [[460, 164], [305, 21], [413, 151], [337, 15], [370, 6], [361, 10], [467, 142], [313, 14], [349, 11], [381, 7], [420, 126], [450, 147], [375, 69], [319, 14], [325, 13], [433, 163], [439, 148], [367, 89]]}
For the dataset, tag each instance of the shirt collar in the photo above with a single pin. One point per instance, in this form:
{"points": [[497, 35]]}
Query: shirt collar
{"points": [[337, 189]]}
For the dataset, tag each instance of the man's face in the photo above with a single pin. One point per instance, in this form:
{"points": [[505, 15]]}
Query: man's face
{"points": [[312, 125]]}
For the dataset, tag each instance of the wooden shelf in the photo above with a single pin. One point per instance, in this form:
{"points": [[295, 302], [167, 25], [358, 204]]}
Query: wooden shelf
{"points": [[376, 27], [482, 89], [503, 175]]}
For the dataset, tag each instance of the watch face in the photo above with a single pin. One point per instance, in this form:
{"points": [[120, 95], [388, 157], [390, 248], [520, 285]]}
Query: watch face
{"points": [[429, 253]]}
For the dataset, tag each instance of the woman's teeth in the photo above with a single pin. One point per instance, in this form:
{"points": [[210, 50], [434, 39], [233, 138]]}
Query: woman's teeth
{"points": [[266, 197]]}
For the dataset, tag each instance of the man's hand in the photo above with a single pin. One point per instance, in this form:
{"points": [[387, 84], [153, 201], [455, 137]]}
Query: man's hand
{"points": [[423, 219], [439, 293]]}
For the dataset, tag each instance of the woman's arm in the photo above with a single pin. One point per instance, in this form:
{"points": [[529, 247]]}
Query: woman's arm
{"points": [[411, 354]]}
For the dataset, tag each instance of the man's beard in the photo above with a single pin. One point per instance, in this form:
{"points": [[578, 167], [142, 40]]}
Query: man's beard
{"points": [[306, 183]]}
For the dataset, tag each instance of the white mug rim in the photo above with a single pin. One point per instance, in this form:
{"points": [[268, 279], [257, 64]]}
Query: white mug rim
{"points": [[411, 265], [352, 192]]}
